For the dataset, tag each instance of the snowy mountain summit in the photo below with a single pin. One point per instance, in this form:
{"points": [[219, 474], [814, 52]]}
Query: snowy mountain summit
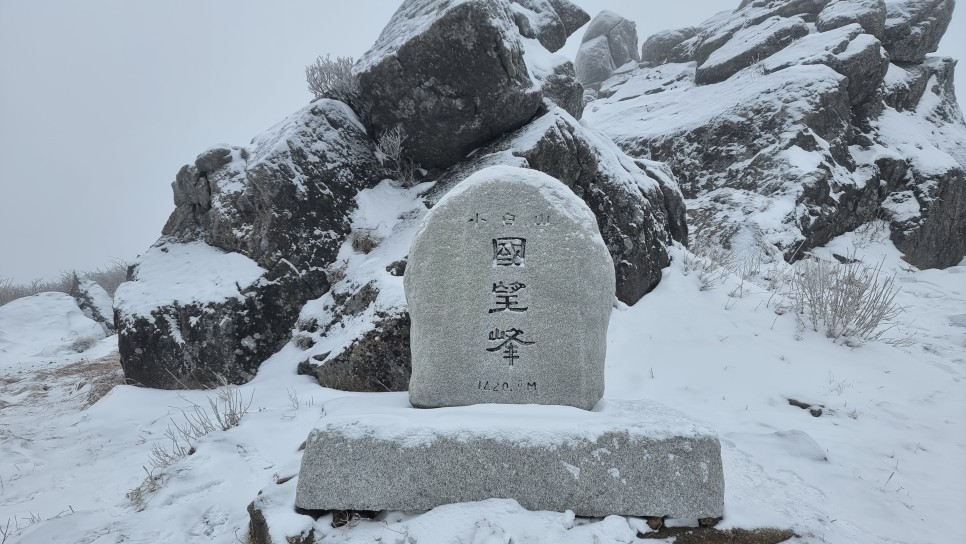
{"points": [[744, 174]]}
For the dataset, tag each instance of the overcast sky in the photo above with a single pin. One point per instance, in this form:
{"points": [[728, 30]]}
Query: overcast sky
{"points": [[102, 101]]}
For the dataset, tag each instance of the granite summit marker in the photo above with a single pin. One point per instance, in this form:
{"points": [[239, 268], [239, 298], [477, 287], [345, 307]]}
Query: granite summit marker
{"points": [[510, 288]]}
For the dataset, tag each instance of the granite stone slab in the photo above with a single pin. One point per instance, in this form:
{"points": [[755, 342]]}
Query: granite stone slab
{"points": [[510, 289], [632, 458]]}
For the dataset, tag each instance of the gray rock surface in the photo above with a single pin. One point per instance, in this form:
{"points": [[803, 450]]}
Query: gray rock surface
{"points": [[631, 458], [550, 22], [609, 42], [451, 74], [379, 360], [284, 202], [914, 27], [846, 145], [510, 289], [638, 205], [847, 50], [657, 48], [870, 14], [749, 46], [93, 300], [196, 317]]}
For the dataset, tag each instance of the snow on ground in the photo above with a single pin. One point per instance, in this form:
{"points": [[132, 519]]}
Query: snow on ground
{"points": [[883, 463]]}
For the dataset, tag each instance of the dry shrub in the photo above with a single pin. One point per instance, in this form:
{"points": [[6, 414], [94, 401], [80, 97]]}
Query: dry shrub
{"points": [[364, 240], [329, 78], [851, 302]]}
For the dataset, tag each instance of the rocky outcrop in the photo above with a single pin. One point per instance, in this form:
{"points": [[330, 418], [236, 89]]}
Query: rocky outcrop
{"points": [[748, 46], [93, 300], [869, 14], [638, 205], [914, 27], [719, 29], [809, 136], [550, 22], [658, 47], [609, 42], [282, 205], [451, 74], [379, 360], [847, 50]]}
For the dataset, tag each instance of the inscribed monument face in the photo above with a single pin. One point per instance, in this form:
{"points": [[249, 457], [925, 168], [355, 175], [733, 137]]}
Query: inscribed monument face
{"points": [[510, 289]]}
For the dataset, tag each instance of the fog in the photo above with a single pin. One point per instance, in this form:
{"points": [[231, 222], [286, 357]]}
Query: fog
{"points": [[102, 101]]}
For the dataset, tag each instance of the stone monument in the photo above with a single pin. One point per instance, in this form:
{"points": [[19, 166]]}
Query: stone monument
{"points": [[510, 289]]}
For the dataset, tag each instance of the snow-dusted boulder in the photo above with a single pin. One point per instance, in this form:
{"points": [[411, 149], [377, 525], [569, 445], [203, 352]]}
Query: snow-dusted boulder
{"points": [[638, 205], [93, 300], [196, 316], [913, 28], [451, 74], [550, 22], [748, 46], [716, 31], [609, 42], [282, 205], [847, 50], [657, 48], [870, 14], [284, 200]]}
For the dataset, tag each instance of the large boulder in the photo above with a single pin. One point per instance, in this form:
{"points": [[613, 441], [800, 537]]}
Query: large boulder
{"points": [[914, 27], [609, 42], [550, 22], [280, 207], [870, 14], [451, 74], [748, 46], [638, 205], [847, 50], [657, 48], [196, 316]]}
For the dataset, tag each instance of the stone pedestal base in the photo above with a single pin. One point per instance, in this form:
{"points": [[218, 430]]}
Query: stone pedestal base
{"points": [[631, 458]]}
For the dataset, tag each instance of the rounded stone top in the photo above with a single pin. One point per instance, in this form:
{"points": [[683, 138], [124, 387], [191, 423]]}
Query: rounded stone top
{"points": [[510, 288]]}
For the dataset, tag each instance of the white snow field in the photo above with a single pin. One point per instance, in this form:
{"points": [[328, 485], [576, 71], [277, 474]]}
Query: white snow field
{"points": [[884, 463]]}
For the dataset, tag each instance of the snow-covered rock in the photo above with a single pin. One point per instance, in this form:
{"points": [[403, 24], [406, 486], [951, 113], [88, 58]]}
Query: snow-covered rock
{"points": [[550, 22], [657, 48], [282, 205], [93, 300], [748, 46], [870, 14], [847, 50], [609, 42], [808, 141], [451, 74], [913, 28]]}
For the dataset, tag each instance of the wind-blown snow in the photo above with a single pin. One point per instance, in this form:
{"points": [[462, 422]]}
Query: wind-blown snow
{"points": [[45, 324]]}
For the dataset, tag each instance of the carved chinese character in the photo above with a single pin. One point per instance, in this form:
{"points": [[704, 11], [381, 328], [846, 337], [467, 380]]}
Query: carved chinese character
{"points": [[542, 220], [506, 297], [509, 219], [509, 251], [511, 342], [478, 219]]}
